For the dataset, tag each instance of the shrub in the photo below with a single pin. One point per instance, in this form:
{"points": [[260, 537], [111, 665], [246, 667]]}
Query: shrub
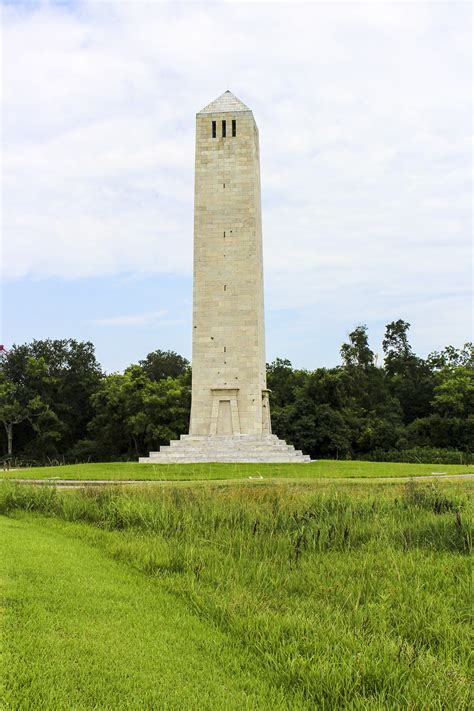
{"points": [[419, 455]]}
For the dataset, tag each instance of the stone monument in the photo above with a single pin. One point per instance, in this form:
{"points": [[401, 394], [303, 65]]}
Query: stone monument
{"points": [[230, 410]]}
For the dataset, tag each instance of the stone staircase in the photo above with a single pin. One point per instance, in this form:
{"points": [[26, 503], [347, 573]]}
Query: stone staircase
{"points": [[237, 448]]}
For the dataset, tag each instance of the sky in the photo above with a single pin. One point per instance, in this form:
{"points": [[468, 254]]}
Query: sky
{"points": [[364, 113]]}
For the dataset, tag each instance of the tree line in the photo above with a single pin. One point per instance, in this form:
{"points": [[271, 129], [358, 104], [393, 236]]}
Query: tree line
{"points": [[56, 403]]}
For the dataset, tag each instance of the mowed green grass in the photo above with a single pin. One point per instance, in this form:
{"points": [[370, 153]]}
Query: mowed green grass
{"points": [[334, 596], [82, 631], [216, 471]]}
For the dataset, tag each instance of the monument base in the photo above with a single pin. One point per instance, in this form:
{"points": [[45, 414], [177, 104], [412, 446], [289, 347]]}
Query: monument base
{"points": [[233, 448]]}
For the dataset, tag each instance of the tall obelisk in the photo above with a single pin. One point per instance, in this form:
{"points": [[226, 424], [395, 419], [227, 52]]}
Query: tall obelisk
{"points": [[229, 395], [230, 411]]}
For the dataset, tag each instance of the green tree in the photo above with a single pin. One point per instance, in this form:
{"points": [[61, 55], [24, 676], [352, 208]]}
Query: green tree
{"points": [[63, 374], [451, 357], [454, 394], [109, 436], [357, 352], [398, 352], [284, 384], [282, 380], [159, 365], [411, 378], [12, 410], [371, 413], [20, 404], [312, 420], [450, 423], [135, 414]]}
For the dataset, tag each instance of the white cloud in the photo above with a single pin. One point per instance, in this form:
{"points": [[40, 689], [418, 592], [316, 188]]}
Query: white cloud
{"points": [[364, 124]]}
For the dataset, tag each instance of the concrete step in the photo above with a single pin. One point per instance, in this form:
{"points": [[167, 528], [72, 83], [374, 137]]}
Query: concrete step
{"points": [[232, 449], [224, 455], [229, 457], [224, 450], [230, 460]]}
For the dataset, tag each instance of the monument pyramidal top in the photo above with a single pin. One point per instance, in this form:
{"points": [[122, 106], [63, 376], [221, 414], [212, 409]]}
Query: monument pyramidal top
{"points": [[225, 103]]}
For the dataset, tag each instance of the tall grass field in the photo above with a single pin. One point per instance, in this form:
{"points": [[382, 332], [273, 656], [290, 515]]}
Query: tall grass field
{"points": [[316, 595]]}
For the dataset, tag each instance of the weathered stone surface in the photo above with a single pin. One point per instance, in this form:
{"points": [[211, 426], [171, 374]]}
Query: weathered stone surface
{"points": [[237, 448], [228, 359], [230, 410]]}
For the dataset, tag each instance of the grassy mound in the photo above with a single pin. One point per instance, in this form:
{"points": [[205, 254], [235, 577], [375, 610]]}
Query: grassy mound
{"points": [[207, 472]]}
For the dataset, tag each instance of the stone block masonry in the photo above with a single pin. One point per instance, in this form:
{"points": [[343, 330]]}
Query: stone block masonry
{"points": [[246, 449], [230, 411]]}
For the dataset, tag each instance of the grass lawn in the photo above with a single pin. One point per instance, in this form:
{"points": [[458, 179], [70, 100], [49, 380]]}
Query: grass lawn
{"points": [[343, 596], [83, 631], [214, 471]]}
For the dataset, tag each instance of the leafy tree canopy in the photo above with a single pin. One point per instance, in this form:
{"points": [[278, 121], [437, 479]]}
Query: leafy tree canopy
{"points": [[357, 352], [55, 401], [159, 365]]}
